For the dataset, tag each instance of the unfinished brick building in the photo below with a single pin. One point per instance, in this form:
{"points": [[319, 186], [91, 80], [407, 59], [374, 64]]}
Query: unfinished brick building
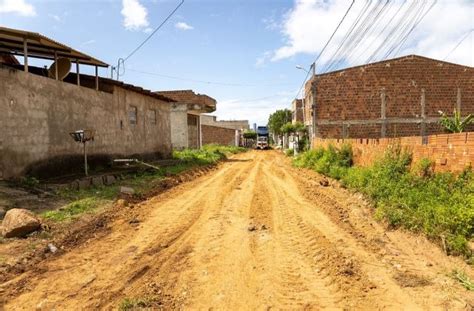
{"points": [[397, 97]]}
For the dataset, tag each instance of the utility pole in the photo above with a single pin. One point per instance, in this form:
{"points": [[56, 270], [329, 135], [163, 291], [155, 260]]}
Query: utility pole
{"points": [[313, 93]]}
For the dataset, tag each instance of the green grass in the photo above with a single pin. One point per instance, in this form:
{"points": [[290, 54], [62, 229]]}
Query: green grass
{"points": [[465, 281], [208, 154], [136, 303], [441, 205], [143, 182], [74, 209]]}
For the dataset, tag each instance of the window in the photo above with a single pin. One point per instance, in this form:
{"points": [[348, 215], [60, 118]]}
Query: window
{"points": [[152, 116], [132, 114]]}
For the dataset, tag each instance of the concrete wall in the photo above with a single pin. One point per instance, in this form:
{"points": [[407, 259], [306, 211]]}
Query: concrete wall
{"points": [[393, 98], [194, 140], [448, 152], [218, 135], [179, 126], [231, 124], [38, 114]]}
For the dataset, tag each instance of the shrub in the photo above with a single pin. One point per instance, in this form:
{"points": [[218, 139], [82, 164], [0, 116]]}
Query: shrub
{"points": [[439, 204]]}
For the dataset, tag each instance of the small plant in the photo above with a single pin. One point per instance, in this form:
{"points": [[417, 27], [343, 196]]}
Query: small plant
{"points": [[136, 303], [289, 152], [29, 182], [73, 209], [465, 281], [455, 124]]}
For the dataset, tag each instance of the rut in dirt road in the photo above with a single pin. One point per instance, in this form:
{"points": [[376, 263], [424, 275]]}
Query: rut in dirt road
{"points": [[254, 234]]}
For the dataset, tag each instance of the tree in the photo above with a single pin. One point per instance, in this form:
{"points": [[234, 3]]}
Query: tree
{"points": [[249, 134], [277, 120], [455, 124]]}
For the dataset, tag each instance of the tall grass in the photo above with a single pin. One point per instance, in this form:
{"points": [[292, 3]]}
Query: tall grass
{"points": [[406, 194]]}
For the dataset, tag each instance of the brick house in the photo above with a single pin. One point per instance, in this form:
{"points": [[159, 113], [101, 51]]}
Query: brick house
{"points": [[391, 98]]}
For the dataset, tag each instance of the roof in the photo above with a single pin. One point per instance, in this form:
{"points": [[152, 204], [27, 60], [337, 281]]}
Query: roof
{"points": [[40, 46], [196, 102], [401, 58]]}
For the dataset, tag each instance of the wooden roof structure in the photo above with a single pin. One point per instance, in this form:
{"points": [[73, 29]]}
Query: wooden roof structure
{"points": [[32, 44]]}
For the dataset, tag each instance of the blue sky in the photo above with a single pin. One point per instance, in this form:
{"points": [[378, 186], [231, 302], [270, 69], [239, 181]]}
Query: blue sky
{"points": [[253, 46]]}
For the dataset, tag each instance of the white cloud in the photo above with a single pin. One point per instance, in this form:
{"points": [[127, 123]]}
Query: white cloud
{"points": [[88, 42], [20, 7], [256, 111], [135, 15], [55, 17], [309, 24], [183, 26], [263, 59]]}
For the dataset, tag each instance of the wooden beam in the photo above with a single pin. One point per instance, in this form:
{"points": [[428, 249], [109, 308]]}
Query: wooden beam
{"points": [[25, 54], [77, 73], [56, 65], [96, 78]]}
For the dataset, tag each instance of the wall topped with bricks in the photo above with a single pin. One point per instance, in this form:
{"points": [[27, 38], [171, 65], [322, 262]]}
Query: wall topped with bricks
{"points": [[392, 98], [449, 152], [218, 135]]}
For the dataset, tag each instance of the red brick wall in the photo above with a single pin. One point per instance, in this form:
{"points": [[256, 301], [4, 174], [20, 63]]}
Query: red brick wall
{"points": [[356, 94], [449, 152], [217, 135]]}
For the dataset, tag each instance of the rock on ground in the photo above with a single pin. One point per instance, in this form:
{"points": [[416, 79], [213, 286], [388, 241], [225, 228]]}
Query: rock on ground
{"points": [[19, 222]]}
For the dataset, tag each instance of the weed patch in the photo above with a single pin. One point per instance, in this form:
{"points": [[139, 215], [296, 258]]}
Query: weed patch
{"points": [[136, 303], [412, 196], [465, 281], [73, 209]]}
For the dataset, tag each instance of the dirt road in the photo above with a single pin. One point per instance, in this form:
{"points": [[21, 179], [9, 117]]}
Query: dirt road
{"points": [[254, 234]]}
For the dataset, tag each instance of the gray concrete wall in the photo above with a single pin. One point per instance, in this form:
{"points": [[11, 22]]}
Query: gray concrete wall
{"points": [[38, 114], [179, 126]]}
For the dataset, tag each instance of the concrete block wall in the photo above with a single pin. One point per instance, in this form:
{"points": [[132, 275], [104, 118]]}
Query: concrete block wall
{"points": [[392, 98], [38, 114], [218, 135], [449, 152]]}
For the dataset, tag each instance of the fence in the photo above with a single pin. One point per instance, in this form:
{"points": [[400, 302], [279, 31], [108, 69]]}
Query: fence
{"points": [[448, 152]]}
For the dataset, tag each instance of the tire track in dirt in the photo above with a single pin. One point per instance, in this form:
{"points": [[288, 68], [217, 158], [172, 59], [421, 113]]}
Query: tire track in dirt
{"points": [[255, 234]]}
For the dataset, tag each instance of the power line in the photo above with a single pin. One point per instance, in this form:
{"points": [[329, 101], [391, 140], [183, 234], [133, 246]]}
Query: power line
{"points": [[121, 61], [459, 43], [205, 82], [414, 26], [351, 29], [317, 58], [154, 31]]}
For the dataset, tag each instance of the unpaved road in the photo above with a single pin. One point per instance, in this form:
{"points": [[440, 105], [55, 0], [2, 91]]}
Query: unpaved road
{"points": [[253, 234]]}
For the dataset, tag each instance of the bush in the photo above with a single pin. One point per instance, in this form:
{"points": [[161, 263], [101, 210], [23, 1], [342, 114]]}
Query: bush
{"points": [[439, 204], [208, 154]]}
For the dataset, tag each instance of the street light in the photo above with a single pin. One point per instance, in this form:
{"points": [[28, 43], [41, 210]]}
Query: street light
{"points": [[83, 136], [302, 68]]}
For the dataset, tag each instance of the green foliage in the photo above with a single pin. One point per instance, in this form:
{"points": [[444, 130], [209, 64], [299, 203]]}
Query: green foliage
{"points": [[290, 128], [136, 303], [332, 161], [28, 182], [439, 204], [249, 134], [208, 154], [278, 119], [73, 209], [287, 128], [289, 152], [463, 279], [88, 200], [455, 124]]}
